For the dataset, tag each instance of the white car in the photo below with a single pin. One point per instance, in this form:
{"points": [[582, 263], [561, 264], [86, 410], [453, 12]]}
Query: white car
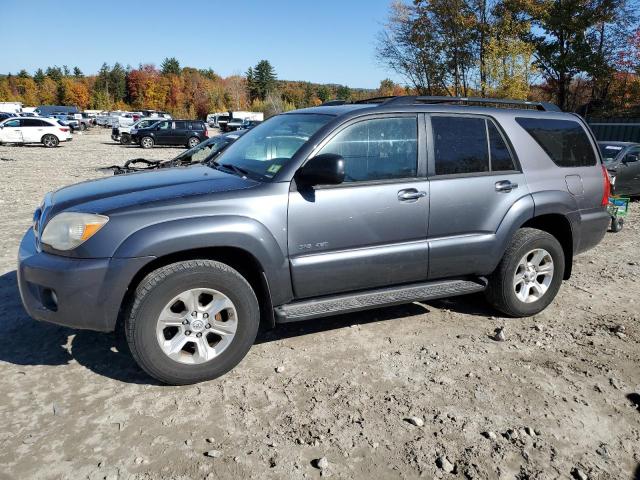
{"points": [[47, 131]]}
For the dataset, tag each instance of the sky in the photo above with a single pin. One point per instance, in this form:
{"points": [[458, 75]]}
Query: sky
{"points": [[325, 41]]}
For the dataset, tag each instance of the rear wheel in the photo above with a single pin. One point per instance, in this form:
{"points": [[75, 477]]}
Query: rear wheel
{"points": [[193, 141], [191, 321], [146, 142], [50, 141], [617, 224], [529, 275]]}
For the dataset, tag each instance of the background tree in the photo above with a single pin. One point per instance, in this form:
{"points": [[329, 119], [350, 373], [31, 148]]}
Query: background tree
{"points": [[77, 72], [170, 66]]}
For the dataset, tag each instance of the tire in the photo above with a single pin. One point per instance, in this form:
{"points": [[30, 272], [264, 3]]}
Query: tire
{"points": [[157, 292], [83, 127], [617, 224], [146, 142], [504, 291], [125, 139], [50, 141], [192, 142]]}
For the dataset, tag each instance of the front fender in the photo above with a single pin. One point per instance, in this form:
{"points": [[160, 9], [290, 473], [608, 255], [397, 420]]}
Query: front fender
{"points": [[244, 233]]}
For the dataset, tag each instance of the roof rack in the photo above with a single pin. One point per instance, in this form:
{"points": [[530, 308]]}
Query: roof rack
{"points": [[470, 101], [435, 100]]}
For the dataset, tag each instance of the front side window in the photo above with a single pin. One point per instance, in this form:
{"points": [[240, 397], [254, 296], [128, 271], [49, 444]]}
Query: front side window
{"points": [[265, 149], [164, 125], [468, 145], [12, 123], [377, 149], [565, 141]]}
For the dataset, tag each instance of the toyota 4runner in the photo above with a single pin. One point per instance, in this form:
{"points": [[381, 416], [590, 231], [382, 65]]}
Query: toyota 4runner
{"points": [[316, 212]]}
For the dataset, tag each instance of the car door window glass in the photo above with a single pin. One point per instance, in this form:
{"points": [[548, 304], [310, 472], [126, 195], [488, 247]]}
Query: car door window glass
{"points": [[30, 122], [378, 149], [164, 125], [501, 159], [633, 155], [12, 123], [460, 145], [180, 125]]}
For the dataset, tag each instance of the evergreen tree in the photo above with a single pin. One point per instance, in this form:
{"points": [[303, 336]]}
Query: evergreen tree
{"points": [[170, 65], [343, 93], [77, 72], [39, 76], [118, 83], [264, 79], [23, 74]]}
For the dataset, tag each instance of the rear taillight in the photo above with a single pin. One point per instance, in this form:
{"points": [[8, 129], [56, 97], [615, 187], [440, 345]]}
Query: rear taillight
{"points": [[206, 132], [63, 129], [607, 187]]}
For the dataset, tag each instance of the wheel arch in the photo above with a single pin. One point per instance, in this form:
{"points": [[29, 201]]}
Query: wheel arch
{"points": [[559, 226], [239, 259]]}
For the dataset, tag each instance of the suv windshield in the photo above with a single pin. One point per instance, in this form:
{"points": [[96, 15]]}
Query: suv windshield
{"points": [[265, 149]]}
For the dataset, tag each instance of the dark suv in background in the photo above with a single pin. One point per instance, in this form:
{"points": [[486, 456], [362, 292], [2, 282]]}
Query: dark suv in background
{"points": [[318, 212], [171, 132]]}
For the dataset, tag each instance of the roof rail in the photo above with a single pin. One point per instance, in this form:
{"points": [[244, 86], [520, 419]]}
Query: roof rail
{"points": [[376, 99], [480, 101], [333, 102]]}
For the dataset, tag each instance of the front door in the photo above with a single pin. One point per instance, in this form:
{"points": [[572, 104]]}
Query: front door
{"points": [[627, 181], [474, 182], [12, 132], [371, 230], [163, 132]]}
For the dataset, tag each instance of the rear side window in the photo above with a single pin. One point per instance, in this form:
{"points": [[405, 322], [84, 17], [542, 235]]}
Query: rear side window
{"points": [[180, 125], [466, 145], [565, 141], [31, 122], [197, 126], [378, 149]]}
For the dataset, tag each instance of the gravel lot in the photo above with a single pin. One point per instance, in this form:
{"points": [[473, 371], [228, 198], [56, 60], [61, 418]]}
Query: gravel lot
{"points": [[559, 398]]}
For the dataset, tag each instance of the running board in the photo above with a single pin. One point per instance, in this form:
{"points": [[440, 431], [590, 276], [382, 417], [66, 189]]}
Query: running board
{"points": [[353, 302]]}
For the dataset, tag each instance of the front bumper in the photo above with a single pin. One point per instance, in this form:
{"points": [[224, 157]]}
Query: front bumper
{"points": [[81, 293]]}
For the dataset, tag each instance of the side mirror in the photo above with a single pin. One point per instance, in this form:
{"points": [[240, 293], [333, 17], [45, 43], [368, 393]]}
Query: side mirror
{"points": [[630, 158], [325, 169]]}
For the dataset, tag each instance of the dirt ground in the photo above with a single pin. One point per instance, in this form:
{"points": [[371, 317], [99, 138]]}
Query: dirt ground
{"points": [[560, 398]]}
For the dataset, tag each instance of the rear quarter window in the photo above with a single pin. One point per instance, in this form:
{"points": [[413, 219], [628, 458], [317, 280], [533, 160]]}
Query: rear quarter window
{"points": [[565, 141]]}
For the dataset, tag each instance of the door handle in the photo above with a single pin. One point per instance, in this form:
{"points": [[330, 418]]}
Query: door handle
{"points": [[410, 194], [505, 186]]}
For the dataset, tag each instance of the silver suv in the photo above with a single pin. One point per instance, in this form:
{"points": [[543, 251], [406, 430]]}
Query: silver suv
{"points": [[317, 212]]}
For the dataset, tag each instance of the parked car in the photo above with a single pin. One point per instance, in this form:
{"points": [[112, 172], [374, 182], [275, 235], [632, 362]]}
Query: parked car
{"points": [[249, 124], [122, 134], [171, 132], [234, 124], [48, 110], [67, 120], [622, 160], [5, 115], [204, 152], [319, 212], [34, 130]]}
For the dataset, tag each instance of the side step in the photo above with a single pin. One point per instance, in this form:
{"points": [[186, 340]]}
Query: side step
{"points": [[353, 302]]}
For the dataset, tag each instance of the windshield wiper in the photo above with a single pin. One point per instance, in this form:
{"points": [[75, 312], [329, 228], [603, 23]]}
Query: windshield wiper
{"points": [[237, 170]]}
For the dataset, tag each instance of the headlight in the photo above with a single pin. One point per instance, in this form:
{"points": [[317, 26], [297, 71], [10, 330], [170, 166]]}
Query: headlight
{"points": [[67, 230]]}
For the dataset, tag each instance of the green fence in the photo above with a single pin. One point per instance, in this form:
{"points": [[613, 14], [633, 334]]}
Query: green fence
{"points": [[616, 129]]}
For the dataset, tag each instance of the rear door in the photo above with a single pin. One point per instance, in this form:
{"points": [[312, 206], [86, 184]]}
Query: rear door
{"points": [[32, 130], [369, 231], [474, 181]]}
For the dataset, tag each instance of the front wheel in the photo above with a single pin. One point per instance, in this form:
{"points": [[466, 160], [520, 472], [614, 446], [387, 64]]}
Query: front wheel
{"points": [[191, 321], [146, 142], [529, 275], [125, 139], [50, 141]]}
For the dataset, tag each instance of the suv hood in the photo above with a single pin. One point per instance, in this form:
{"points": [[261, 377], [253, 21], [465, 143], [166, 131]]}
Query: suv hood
{"points": [[121, 191]]}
